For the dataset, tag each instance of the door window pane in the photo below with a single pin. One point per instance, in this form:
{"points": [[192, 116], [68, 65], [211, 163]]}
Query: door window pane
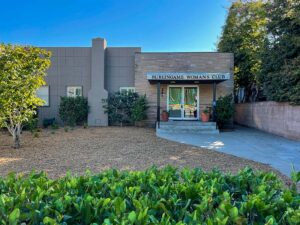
{"points": [[175, 100], [190, 102]]}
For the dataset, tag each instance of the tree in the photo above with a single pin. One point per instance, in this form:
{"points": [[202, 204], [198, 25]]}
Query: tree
{"points": [[22, 71], [280, 71], [243, 34], [265, 39]]}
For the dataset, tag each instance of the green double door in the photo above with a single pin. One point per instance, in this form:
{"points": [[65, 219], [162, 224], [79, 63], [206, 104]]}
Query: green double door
{"points": [[183, 102]]}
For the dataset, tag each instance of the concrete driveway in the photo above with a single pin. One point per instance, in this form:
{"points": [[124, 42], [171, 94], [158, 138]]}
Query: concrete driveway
{"points": [[248, 143]]}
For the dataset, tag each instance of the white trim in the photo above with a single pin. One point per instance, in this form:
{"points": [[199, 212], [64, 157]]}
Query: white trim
{"points": [[182, 101], [74, 87], [127, 89]]}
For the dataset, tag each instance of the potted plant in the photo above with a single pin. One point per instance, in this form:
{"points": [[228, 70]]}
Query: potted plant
{"points": [[165, 115], [205, 115]]}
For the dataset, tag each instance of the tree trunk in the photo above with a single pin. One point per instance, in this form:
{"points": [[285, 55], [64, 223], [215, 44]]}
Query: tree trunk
{"points": [[16, 141], [16, 137]]}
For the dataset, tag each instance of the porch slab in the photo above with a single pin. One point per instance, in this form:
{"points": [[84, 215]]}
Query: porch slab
{"points": [[278, 152]]}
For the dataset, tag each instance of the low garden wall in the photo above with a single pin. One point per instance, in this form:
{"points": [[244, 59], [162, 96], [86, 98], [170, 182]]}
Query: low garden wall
{"points": [[278, 118]]}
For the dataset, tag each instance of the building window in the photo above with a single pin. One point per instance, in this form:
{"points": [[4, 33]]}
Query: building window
{"points": [[43, 93], [127, 89], [74, 91]]}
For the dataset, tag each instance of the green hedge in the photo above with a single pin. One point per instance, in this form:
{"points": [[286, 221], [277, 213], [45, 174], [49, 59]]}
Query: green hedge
{"points": [[125, 108], [154, 196], [73, 110], [224, 110]]}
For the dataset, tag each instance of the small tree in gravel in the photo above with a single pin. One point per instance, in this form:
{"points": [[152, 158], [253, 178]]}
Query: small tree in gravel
{"points": [[22, 71]]}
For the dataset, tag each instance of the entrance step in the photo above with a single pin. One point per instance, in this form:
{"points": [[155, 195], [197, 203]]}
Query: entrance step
{"points": [[195, 127]]}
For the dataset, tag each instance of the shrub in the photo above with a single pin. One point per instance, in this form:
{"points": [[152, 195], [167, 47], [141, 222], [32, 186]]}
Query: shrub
{"points": [[31, 125], [73, 111], [48, 122], [154, 196], [122, 108], [139, 109], [224, 110]]}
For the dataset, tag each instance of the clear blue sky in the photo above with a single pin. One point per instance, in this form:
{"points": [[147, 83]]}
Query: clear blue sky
{"points": [[154, 25]]}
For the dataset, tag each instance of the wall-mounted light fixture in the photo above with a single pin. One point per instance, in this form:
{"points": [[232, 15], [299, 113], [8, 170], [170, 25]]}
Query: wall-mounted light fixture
{"points": [[162, 92]]}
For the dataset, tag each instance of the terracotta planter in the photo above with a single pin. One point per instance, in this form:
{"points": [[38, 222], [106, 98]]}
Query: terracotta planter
{"points": [[165, 116], [204, 117]]}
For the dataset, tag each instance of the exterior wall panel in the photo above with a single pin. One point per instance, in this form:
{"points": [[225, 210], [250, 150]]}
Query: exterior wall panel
{"points": [[69, 67], [119, 67]]}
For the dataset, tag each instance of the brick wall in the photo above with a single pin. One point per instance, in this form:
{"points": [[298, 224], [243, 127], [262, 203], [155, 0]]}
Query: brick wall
{"points": [[273, 117]]}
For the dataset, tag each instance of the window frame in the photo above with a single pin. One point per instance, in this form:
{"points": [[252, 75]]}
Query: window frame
{"points": [[74, 86], [127, 89]]}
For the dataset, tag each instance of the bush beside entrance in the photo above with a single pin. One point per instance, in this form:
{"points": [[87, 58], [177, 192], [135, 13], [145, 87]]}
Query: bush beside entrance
{"points": [[154, 196], [224, 110]]}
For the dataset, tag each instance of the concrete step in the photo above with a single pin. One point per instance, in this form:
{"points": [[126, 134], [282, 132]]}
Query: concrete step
{"points": [[170, 127], [187, 125], [187, 131], [190, 123], [195, 127]]}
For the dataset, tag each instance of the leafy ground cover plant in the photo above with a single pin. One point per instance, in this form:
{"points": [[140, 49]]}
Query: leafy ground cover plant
{"points": [[154, 196]]}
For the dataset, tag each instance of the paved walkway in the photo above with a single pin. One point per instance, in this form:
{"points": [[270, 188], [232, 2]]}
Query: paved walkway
{"points": [[248, 143]]}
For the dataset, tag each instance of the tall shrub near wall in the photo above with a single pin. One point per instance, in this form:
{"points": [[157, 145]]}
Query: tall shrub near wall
{"points": [[124, 108], [73, 111], [224, 110], [139, 109]]}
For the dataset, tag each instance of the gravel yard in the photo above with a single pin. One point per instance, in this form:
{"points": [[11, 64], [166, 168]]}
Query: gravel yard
{"points": [[98, 149]]}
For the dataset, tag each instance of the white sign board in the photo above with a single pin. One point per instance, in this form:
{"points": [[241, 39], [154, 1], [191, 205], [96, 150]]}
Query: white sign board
{"points": [[187, 76]]}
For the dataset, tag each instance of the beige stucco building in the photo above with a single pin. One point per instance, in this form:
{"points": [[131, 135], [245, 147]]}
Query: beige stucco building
{"points": [[182, 83]]}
